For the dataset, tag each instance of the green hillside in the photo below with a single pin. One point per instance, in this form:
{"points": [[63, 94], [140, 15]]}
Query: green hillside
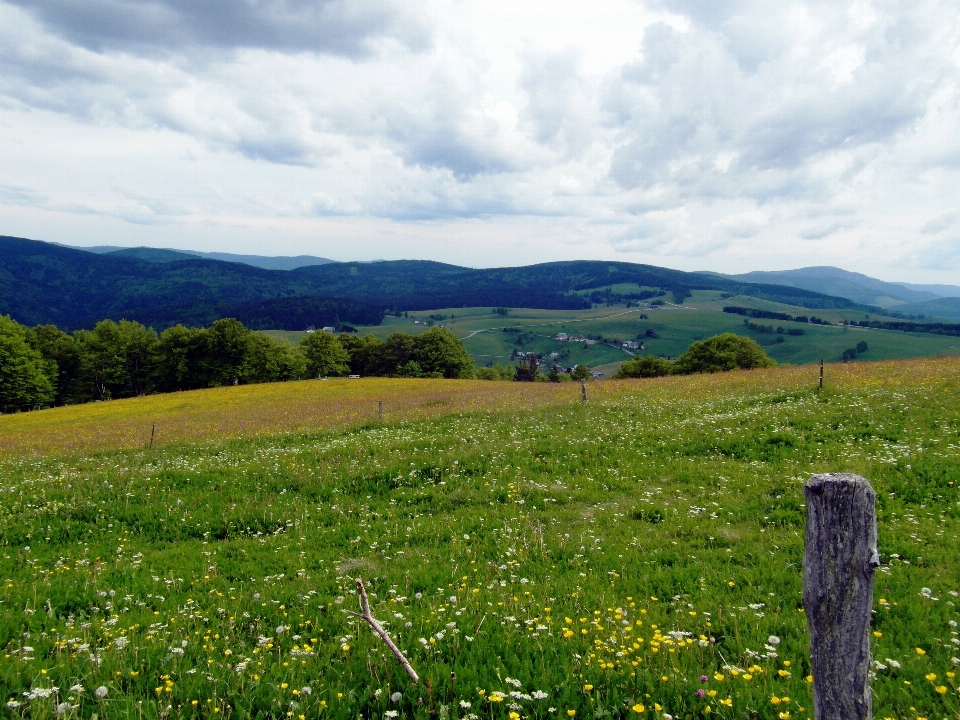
{"points": [[674, 328], [947, 308]]}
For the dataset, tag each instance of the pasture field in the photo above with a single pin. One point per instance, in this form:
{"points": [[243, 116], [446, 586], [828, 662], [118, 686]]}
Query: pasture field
{"points": [[536, 558], [676, 327]]}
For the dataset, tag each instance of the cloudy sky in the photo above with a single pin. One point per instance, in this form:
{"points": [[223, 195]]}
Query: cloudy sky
{"points": [[728, 135]]}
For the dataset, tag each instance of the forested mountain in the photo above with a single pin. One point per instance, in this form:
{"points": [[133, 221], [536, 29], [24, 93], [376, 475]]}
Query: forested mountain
{"points": [[47, 283], [835, 281]]}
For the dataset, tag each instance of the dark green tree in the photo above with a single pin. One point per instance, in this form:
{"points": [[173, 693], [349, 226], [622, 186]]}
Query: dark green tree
{"points": [[179, 359], [325, 355], [227, 344], [25, 376], [397, 351], [722, 352], [59, 348], [116, 359], [528, 370], [269, 360], [581, 372], [441, 353], [363, 353]]}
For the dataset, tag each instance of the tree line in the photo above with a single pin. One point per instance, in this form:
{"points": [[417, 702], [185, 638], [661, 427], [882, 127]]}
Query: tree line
{"points": [[773, 315], [44, 366]]}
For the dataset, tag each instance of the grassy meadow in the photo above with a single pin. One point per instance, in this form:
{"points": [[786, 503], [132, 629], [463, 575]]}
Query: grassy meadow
{"points": [[701, 316], [535, 557]]}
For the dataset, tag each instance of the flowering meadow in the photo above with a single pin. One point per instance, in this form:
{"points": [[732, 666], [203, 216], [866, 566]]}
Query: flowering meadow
{"points": [[635, 556]]}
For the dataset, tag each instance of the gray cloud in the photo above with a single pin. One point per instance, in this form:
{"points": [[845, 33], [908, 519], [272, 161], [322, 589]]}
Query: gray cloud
{"points": [[446, 130], [941, 223], [339, 27], [820, 230], [719, 110], [19, 195], [558, 102]]}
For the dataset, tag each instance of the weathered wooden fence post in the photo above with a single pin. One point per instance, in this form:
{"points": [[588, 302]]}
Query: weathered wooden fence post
{"points": [[839, 560], [380, 410], [821, 374], [153, 431], [583, 390]]}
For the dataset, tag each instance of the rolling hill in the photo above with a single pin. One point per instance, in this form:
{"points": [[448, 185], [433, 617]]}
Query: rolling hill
{"points": [[834, 281], [47, 283], [944, 307]]}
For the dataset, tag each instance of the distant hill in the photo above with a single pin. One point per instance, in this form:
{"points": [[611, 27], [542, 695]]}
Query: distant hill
{"points": [[834, 281], [161, 255], [942, 290], [945, 307], [47, 283], [166, 255]]}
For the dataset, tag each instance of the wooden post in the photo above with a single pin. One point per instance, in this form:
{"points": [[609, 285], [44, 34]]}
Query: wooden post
{"points": [[583, 390], [380, 410], [821, 374], [839, 559], [153, 431]]}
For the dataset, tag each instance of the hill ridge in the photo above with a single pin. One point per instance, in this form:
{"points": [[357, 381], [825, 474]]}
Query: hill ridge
{"points": [[47, 283]]}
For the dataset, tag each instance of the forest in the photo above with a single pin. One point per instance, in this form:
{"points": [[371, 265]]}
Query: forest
{"points": [[42, 283]]}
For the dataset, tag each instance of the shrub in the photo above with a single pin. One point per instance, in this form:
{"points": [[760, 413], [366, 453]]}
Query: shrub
{"points": [[722, 352], [644, 366], [497, 372]]}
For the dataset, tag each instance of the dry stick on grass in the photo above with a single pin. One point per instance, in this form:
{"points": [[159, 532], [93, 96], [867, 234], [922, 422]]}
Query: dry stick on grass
{"points": [[378, 629]]}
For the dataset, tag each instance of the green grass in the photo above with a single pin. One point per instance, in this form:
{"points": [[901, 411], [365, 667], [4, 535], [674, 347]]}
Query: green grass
{"points": [[700, 317], [605, 555]]}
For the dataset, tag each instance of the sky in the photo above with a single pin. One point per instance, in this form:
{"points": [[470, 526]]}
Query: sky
{"points": [[728, 135]]}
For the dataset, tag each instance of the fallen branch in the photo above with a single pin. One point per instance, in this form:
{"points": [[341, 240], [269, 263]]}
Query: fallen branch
{"points": [[378, 629]]}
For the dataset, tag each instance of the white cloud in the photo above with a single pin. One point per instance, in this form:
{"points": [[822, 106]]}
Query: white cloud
{"points": [[729, 135]]}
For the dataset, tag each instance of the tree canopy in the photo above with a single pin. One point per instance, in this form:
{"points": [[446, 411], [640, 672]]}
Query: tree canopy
{"points": [[644, 366], [722, 352], [325, 355], [25, 380]]}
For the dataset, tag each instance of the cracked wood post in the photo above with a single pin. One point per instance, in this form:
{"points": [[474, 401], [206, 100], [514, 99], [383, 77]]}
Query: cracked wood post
{"points": [[378, 629], [840, 556]]}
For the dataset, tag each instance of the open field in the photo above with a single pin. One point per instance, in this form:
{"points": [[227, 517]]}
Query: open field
{"points": [[700, 317], [251, 410], [539, 559]]}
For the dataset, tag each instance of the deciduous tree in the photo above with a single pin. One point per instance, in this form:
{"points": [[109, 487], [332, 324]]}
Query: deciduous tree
{"points": [[325, 354], [25, 380]]}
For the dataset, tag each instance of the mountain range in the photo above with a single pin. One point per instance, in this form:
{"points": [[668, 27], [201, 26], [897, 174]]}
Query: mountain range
{"points": [[46, 283]]}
